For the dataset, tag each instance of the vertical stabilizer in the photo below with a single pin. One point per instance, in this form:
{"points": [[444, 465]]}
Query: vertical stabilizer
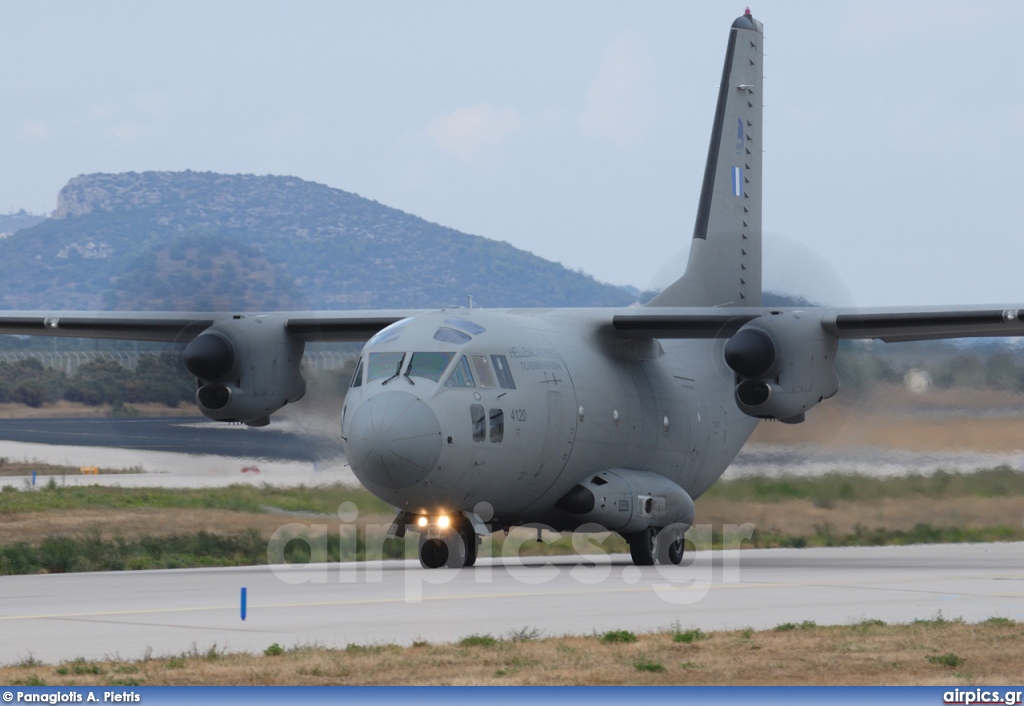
{"points": [[724, 268]]}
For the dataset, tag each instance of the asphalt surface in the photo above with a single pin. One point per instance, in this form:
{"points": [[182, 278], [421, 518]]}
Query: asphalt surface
{"points": [[193, 435], [55, 617]]}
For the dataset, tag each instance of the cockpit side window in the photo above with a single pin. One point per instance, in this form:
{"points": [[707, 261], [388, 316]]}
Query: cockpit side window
{"points": [[461, 375], [450, 335], [357, 376], [384, 365], [503, 372], [482, 370], [497, 425], [429, 365], [476, 414]]}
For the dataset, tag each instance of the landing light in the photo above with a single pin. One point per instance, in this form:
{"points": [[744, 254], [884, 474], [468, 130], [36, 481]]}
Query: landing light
{"points": [[422, 522], [443, 521]]}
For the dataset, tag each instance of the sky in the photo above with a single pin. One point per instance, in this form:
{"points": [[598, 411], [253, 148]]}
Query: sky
{"points": [[576, 130]]}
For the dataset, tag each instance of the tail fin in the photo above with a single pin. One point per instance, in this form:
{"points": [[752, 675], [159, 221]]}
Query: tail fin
{"points": [[725, 256]]}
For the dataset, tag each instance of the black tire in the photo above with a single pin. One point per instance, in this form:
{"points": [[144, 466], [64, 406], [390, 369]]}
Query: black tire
{"points": [[472, 545], [672, 549], [462, 547], [643, 546], [433, 553]]}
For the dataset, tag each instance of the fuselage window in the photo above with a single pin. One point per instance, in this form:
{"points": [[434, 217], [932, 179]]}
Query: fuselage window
{"points": [[482, 370], [357, 376], [465, 325], [497, 418], [384, 365], [429, 365], [461, 376], [476, 413], [503, 372], [450, 335]]}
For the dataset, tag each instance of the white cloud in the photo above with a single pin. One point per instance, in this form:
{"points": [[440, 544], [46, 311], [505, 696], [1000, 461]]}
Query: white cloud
{"points": [[36, 129], [467, 129], [619, 105]]}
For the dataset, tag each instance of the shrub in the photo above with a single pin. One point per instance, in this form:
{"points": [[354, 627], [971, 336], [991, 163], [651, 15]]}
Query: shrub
{"points": [[947, 660], [618, 636], [689, 635]]}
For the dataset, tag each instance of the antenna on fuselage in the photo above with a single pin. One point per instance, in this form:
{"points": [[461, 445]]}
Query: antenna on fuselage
{"points": [[470, 298]]}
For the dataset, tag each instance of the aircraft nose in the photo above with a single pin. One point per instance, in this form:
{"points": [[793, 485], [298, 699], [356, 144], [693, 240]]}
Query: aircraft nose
{"points": [[394, 439]]}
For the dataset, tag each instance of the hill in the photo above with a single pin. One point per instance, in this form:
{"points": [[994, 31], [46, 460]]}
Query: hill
{"points": [[204, 241], [11, 223]]}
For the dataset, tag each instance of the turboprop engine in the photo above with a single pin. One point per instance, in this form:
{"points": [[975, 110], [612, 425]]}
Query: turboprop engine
{"points": [[784, 364], [247, 368]]}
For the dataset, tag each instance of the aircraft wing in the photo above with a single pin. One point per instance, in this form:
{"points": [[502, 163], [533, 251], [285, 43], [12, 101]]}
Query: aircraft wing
{"points": [[890, 324], [182, 327]]}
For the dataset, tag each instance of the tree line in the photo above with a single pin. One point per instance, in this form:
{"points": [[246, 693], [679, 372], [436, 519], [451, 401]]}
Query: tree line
{"points": [[157, 378]]}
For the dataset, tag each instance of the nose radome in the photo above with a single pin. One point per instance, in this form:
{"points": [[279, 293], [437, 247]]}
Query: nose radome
{"points": [[394, 439]]}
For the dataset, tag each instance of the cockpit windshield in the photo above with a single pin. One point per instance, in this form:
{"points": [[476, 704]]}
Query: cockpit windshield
{"points": [[429, 365], [384, 365]]}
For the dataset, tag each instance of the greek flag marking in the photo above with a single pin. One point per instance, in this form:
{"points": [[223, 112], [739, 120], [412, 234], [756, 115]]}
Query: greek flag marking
{"points": [[737, 181]]}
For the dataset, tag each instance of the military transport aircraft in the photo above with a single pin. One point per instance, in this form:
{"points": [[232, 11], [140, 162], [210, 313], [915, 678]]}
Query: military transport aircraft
{"points": [[475, 420]]}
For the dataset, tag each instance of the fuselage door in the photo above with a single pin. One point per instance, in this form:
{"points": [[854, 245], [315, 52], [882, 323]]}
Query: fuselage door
{"points": [[558, 438], [698, 442]]}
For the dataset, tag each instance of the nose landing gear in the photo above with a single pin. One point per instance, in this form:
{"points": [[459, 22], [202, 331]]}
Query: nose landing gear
{"points": [[454, 546]]}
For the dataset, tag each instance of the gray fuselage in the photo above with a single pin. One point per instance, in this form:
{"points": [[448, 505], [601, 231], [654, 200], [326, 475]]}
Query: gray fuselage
{"points": [[549, 400]]}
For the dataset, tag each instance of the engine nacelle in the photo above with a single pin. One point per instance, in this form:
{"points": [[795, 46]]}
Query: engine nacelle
{"points": [[784, 363], [628, 501], [247, 368]]}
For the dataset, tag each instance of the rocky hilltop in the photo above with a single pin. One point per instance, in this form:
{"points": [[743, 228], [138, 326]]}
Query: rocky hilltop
{"points": [[204, 241]]}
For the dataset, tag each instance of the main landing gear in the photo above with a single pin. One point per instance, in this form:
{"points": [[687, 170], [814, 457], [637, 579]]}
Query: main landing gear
{"points": [[652, 544], [453, 546]]}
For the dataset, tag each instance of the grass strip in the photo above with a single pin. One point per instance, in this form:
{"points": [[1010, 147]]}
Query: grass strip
{"points": [[828, 489], [241, 498], [925, 652]]}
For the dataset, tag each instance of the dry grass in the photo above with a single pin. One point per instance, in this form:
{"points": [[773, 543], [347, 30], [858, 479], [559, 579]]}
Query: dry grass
{"points": [[31, 527], [803, 517], [25, 468], [892, 417], [868, 653], [64, 409]]}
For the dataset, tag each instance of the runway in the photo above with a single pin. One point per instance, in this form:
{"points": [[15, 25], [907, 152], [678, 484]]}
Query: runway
{"points": [[194, 452], [56, 617], [174, 434], [176, 452]]}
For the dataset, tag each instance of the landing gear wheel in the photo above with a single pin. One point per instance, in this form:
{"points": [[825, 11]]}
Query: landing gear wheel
{"points": [[643, 546], [671, 549], [472, 541], [433, 552], [462, 546]]}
